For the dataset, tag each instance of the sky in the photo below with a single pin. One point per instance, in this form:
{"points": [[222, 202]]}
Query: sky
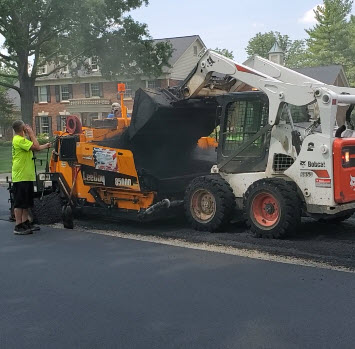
{"points": [[227, 23]]}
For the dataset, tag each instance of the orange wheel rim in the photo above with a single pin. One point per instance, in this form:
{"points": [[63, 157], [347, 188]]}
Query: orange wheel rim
{"points": [[265, 210]]}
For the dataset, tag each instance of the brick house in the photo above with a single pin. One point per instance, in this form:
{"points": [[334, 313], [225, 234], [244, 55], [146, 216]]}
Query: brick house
{"points": [[90, 97]]}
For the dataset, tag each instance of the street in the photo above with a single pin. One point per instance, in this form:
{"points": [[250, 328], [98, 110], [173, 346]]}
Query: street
{"points": [[70, 289]]}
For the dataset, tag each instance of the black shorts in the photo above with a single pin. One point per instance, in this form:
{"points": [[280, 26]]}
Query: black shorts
{"points": [[23, 194]]}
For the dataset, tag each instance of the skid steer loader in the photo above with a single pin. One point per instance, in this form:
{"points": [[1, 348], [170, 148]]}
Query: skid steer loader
{"points": [[284, 149]]}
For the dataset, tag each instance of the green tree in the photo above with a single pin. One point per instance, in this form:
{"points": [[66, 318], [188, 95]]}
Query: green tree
{"points": [[262, 43], [331, 40], [295, 51], [67, 32], [225, 52], [6, 107], [296, 55], [6, 113], [350, 69]]}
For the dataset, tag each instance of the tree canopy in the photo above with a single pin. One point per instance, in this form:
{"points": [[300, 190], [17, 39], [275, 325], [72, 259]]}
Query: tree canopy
{"points": [[330, 41], [225, 52], [295, 51], [261, 44], [67, 32], [6, 107]]}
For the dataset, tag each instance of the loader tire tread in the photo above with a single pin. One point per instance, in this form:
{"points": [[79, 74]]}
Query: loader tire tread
{"points": [[225, 202], [289, 202]]}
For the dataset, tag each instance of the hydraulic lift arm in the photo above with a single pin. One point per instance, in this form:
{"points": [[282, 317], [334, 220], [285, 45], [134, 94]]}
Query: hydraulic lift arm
{"points": [[216, 75], [290, 76]]}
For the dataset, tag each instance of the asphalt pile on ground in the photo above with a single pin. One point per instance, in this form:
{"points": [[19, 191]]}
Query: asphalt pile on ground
{"points": [[333, 244]]}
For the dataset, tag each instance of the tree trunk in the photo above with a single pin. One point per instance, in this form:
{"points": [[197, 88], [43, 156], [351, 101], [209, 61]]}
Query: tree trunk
{"points": [[27, 98]]}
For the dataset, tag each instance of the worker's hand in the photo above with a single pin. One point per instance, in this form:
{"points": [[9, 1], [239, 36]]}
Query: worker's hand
{"points": [[28, 130], [48, 145]]}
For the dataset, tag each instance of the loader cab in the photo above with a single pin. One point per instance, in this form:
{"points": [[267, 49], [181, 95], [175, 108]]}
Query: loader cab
{"points": [[244, 132]]}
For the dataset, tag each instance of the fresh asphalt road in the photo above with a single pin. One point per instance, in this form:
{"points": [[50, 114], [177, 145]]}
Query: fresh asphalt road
{"points": [[69, 289]]}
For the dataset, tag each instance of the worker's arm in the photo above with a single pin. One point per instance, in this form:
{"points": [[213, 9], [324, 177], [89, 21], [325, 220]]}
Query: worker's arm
{"points": [[35, 146]]}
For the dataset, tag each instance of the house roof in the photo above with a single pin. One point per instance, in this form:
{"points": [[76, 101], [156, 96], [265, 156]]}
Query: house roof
{"points": [[180, 45], [327, 74]]}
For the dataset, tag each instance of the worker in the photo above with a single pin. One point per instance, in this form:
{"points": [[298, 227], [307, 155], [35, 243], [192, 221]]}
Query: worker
{"points": [[23, 175], [115, 111]]}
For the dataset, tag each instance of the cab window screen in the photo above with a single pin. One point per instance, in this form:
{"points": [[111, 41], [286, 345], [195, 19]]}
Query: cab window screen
{"points": [[244, 119]]}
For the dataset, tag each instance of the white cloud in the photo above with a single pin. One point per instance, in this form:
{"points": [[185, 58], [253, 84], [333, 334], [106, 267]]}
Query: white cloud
{"points": [[309, 17]]}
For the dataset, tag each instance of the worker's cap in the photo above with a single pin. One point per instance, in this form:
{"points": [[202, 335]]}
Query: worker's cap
{"points": [[116, 106]]}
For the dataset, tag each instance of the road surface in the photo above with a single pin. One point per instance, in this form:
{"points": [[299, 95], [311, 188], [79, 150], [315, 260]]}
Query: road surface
{"points": [[74, 289]]}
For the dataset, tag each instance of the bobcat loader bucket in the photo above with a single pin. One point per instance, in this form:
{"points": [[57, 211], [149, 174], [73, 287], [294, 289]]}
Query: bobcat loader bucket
{"points": [[160, 117], [163, 137], [164, 134]]}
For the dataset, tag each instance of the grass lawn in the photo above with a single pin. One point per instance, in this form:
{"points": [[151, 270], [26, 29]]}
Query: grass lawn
{"points": [[6, 158]]}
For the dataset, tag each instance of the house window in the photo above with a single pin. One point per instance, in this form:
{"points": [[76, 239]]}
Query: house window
{"points": [[88, 118], [64, 92], [129, 91], [95, 90], [43, 124], [152, 84], [61, 122], [65, 70], [195, 51], [42, 70], [42, 94], [94, 64]]}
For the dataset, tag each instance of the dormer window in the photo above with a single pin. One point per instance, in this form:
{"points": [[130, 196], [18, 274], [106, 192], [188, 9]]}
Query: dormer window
{"points": [[94, 64], [65, 69], [42, 70]]}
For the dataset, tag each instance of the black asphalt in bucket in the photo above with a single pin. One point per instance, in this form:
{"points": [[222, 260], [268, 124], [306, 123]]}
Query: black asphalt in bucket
{"points": [[163, 137]]}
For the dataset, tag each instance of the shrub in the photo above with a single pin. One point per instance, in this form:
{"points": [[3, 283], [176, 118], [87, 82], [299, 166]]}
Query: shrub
{"points": [[43, 138], [4, 143]]}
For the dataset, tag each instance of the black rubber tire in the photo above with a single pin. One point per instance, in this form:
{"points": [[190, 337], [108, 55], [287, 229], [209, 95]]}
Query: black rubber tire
{"points": [[224, 202], [335, 220], [67, 217], [47, 210], [288, 202]]}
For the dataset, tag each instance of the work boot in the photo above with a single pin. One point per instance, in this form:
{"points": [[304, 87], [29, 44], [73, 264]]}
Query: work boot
{"points": [[22, 229], [31, 226]]}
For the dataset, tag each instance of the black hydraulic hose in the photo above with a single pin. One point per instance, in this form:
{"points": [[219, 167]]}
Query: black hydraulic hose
{"points": [[47, 162], [339, 131], [348, 116]]}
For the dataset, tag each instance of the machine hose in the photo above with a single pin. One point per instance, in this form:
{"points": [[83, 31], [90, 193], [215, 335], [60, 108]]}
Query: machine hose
{"points": [[166, 203]]}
